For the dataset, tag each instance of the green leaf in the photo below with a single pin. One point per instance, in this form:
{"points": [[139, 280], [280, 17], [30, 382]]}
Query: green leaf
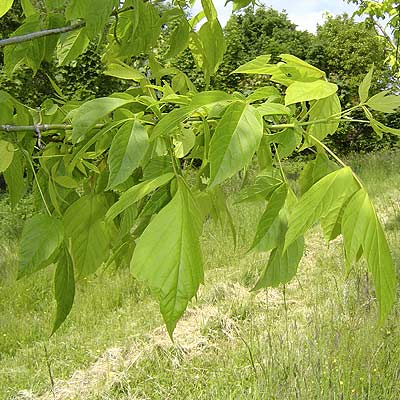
{"points": [[137, 30], [123, 71], [257, 66], [263, 93], [5, 5], [325, 196], [306, 91], [270, 214], [378, 127], [28, 8], [260, 190], [208, 47], [273, 109], [299, 70], [14, 177], [220, 212], [282, 266], [64, 288], [289, 140], [235, 140], [71, 45], [84, 227], [127, 149], [171, 121], [30, 53], [179, 40], [6, 154], [239, 4], [136, 193], [41, 237], [384, 102], [87, 115], [66, 181], [184, 142], [362, 229], [168, 255], [315, 170], [209, 9], [365, 85], [94, 12], [324, 109]]}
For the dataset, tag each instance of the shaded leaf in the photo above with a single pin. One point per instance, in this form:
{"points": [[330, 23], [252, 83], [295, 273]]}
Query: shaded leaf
{"points": [[71, 45], [6, 154], [127, 149], [89, 238], [365, 85], [271, 214], [87, 115], [64, 288], [136, 193], [362, 229], [281, 266], [328, 194], [41, 238]]}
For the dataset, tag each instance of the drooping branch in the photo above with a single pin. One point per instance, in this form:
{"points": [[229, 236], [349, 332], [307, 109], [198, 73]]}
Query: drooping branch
{"points": [[39, 34]]}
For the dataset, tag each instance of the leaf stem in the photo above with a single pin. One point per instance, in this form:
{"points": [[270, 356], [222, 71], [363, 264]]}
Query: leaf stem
{"points": [[36, 180], [280, 163], [337, 159]]}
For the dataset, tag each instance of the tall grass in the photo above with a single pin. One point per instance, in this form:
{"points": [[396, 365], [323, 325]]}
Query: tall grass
{"points": [[315, 338]]}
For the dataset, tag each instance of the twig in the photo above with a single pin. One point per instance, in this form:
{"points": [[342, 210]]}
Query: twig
{"points": [[40, 127], [39, 34]]}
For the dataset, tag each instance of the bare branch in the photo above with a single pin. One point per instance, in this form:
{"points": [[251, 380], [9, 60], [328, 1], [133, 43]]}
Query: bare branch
{"points": [[39, 34]]}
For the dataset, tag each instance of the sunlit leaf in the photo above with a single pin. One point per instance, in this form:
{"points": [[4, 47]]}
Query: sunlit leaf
{"points": [[306, 91], [168, 256], [235, 141]]}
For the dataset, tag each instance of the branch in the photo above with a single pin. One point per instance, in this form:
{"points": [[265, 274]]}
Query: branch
{"points": [[39, 34], [41, 128], [55, 31]]}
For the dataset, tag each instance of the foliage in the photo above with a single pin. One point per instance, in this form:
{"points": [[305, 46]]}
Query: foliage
{"points": [[252, 33], [86, 159]]}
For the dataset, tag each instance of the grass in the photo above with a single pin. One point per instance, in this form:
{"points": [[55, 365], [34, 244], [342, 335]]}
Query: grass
{"points": [[316, 338]]}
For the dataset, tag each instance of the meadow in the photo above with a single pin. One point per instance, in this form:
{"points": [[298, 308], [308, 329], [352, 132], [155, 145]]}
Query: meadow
{"points": [[315, 338]]}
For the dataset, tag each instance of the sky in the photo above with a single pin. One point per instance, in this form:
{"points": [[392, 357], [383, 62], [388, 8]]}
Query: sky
{"points": [[306, 14]]}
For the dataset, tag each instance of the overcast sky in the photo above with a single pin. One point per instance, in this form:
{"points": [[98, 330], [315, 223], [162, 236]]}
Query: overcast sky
{"points": [[306, 14]]}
